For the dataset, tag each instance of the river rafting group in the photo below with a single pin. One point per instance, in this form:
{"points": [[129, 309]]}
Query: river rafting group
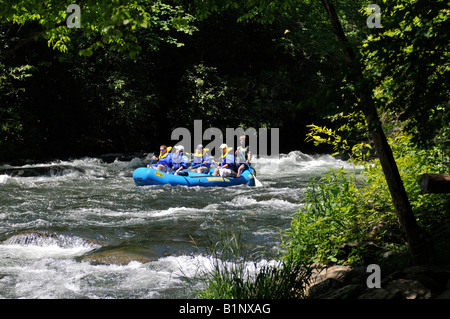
{"points": [[175, 168]]}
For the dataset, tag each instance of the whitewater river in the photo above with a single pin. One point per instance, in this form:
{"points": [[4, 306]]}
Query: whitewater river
{"points": [[82, 229]]}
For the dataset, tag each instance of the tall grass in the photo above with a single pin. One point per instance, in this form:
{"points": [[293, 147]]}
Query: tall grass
{"points": [[233, 275]]}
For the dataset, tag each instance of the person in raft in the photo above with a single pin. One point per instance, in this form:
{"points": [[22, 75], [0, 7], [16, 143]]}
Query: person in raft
{"points": [[242, 156], [164, 159], [179, 160], [201, 161], [226, 168]]}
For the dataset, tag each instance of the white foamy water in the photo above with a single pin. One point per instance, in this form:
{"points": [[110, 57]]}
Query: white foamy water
{"points": [[36, 246], [54, 216]]}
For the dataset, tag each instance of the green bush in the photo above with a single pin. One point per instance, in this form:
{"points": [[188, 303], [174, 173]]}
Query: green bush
{"points": [[348, 216], [333, 215]]}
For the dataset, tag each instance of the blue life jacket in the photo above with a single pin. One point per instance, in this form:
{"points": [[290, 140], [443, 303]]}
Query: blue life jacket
{"points": [[178, 160], [165, 159], [199, 158], [241, 155], [228, 159]]}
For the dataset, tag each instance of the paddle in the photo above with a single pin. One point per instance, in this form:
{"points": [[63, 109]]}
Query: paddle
{"points": [[150, 165], [257, 182]]}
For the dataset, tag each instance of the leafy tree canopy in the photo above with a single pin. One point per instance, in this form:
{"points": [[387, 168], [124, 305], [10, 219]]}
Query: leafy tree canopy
{"points": [[408, 59], [104, 23]]}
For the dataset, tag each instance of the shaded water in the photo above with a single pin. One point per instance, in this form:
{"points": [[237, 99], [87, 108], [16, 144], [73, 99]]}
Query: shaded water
{"points": [[82, 229]]}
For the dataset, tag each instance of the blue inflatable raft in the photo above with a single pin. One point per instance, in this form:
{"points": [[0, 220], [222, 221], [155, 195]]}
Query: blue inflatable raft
{"points": [[149, 176]]}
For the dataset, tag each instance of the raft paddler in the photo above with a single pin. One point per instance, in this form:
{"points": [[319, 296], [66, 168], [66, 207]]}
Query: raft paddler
{"points": [[164, 159], [201, 161], [179, 160], [242, 156], [226, 167]]}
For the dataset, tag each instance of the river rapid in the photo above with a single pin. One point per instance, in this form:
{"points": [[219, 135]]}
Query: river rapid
{"points": [[82, 229]]}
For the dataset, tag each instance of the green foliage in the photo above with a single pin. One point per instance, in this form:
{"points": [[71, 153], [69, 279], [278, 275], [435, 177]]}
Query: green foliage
{"points": [[333, 215], [408, 60], [104, 23], [345, 211], [12, 117], [412, 162], [204, 94], [277, 67], [356, 152], [261, 11], [230, 101], [119, 79]]}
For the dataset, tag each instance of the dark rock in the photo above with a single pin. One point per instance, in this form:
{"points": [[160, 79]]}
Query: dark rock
{"points": [[444, 295], [346, 292], [417, 282], [398, 289], [357, 275], [324, 287], [434, 278], [35, 171]]}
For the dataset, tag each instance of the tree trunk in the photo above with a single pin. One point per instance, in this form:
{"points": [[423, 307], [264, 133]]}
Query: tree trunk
{"points": [[418, 240]]}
